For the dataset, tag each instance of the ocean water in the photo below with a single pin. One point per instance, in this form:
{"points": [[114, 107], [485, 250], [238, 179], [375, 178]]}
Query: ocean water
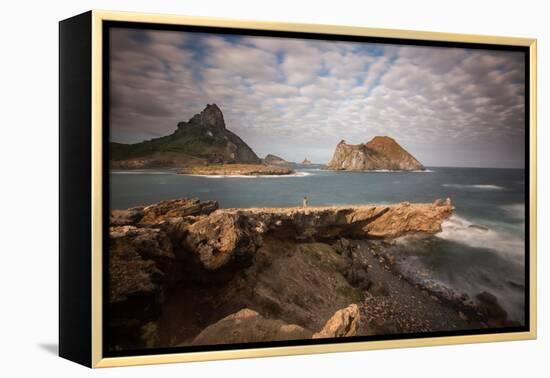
{"points": [[463, 258]]}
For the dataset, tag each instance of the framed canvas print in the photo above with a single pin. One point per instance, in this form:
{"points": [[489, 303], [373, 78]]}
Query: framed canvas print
{"points": [[235, 189]]}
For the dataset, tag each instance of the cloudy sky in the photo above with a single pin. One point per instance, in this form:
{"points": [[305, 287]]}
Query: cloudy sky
{"points": [[298, 98]]}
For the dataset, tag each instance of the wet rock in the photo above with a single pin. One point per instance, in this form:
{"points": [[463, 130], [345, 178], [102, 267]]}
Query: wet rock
{"points": [[247, 326], [489, 306], [342, 324], [478, 227]]}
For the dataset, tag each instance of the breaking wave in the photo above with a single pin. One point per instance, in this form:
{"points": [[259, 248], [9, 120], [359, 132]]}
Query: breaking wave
{"points": [[399, 171], [460, 230], [515, 211], [478, 186]]}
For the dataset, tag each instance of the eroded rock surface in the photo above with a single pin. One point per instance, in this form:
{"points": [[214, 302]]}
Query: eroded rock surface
{"points": [[247, 326], [381, 153], [275, 261], [342, 324], [238, 232], [138, 257]]}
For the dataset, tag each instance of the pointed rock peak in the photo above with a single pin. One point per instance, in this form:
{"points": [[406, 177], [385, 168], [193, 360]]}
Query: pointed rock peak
{"points": [[212, 109], [211, 117]]}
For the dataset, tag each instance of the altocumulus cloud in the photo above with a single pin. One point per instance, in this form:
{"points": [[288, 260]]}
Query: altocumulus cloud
{"points": [[298, 98]]}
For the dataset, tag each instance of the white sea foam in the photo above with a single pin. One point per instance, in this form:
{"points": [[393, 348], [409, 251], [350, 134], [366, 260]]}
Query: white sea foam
{"points": [[477, 186], [399, 171], [460, 230], [516, 211]]}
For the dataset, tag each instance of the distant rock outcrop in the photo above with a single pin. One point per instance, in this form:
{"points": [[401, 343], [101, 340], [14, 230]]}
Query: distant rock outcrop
{"points": [[201, 140], [381, 153], [237, 170], [306, 162], [274, 160]]}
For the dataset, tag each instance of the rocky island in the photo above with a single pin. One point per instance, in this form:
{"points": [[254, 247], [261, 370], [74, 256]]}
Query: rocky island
{"points": [[202, 145], [381, 153], [236, 170], [274, 160], [184, 272]]}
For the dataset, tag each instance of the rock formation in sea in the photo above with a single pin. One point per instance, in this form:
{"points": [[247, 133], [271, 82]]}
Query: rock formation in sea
{"points": [[381, 153], [306, 162], [237, 170], [274, 160], [289, 271], [202, 140]]}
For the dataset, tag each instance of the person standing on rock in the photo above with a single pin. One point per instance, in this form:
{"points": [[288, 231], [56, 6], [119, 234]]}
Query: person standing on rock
{"points": [[305, 202]]}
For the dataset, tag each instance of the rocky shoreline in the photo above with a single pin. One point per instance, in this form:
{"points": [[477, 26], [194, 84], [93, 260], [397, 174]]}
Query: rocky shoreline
{"points": [[183, 272], [236, 170]]}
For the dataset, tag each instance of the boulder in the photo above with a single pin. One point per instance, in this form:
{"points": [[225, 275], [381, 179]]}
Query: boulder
{"points": [[248, 326], [488, 304], [342, 324], [220, 238]]}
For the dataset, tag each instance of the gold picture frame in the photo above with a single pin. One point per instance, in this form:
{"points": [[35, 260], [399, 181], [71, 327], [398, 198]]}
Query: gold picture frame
{"points": [[92, 332]]}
